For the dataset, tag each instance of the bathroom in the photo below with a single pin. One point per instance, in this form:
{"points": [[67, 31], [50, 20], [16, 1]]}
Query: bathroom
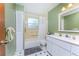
{"points": [[57, 23], [42, 29]]}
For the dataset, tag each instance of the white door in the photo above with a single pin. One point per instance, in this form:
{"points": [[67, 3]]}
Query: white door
{"points": [[42, 27]]}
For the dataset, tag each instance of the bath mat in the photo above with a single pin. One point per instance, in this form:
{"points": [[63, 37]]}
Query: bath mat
{"points": [[32, 50]]}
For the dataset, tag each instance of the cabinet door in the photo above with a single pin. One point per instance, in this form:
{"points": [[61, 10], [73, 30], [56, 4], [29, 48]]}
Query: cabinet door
{"points": [[57, 47], [58, 51], [61, 48], [75, 49], [50, 48], [50, 45], [49, 42], [62, 44]]}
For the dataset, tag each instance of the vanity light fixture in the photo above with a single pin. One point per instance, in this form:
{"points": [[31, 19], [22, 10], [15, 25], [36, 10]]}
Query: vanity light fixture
{"points": [[69, 5], [66, 7], [63, 9]]}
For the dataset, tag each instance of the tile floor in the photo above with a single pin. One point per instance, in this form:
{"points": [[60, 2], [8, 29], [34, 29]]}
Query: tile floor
{"points": [[41, 53]]}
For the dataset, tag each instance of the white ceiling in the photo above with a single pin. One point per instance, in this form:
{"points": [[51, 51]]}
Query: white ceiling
{"points": [[39, 8]]}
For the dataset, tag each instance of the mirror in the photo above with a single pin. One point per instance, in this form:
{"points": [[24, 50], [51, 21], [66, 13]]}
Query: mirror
{"points": [[69, 20]]}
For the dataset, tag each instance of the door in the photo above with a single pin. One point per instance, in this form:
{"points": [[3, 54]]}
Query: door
{"points": [[2, 30]]}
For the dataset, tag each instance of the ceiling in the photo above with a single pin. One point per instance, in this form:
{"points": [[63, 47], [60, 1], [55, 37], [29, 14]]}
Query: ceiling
{"points": [[39, 8]]}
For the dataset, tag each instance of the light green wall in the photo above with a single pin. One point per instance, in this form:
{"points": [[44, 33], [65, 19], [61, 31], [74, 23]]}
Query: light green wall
{"points": [[71, 21], [10, 20], [19, 7], [53, 18]]}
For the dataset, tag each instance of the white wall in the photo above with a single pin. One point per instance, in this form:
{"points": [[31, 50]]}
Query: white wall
{"points": [[19, 30], [42, 27]]}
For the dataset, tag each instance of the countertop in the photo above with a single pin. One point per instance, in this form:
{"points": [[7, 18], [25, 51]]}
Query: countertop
{"points": [[66, 39]]}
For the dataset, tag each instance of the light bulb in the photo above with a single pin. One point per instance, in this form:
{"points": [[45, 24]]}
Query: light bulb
{"points": [[69, 5], [63, 9]]}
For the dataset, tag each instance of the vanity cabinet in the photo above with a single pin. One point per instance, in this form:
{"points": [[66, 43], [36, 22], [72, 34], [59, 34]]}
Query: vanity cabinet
{"points": [[75, 50], [62, 44], [59, 51], [50, 45], [60, 48], [57, 48]]}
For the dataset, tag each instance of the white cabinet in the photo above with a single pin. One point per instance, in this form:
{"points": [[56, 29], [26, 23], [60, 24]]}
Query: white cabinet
{"points": [[50, 48], [75, 49], [50, 45], [62, 44], [57, 47], [58, 51]]}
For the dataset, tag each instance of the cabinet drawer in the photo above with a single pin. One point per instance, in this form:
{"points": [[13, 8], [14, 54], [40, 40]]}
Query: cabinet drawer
{"points": [[49, 45], [75, 49], [62, 44]]}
